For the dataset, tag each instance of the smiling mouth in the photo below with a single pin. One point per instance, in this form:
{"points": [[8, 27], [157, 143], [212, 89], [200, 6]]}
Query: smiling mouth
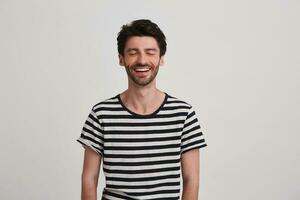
{"points": [[142, 69]]}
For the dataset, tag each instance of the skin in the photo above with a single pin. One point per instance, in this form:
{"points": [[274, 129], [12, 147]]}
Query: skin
{"points": [[142, 97], [190, 174], [90, 174]]}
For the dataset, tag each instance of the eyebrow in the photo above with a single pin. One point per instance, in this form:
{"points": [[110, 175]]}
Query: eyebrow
{"points": [[136, 49], [132, 49], [151, 49]]}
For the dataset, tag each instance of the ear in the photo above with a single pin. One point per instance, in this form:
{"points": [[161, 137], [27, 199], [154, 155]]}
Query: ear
{"points": [[121, 60], [162, 60]]}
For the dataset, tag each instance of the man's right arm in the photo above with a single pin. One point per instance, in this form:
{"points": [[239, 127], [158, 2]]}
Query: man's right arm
{"points": [[90, 174]]}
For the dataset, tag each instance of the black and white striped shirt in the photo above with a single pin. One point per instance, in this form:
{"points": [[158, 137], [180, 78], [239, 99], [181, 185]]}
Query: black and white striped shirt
{"points": [[141, 153]]}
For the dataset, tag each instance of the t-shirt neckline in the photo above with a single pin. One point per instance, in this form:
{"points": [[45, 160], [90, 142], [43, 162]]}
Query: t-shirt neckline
{"points": [[141, 115]]}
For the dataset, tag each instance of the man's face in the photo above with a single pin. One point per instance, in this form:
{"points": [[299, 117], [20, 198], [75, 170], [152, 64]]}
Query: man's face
{"points": [[141, 59]]}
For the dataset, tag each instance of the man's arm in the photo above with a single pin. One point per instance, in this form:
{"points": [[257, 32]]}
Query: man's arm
{"points": [[90, 174], [190, 174]]}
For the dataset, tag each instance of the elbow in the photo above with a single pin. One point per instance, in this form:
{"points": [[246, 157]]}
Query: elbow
{"points": [[89, 187], [190, 189], [191, 181], [88, 178]]}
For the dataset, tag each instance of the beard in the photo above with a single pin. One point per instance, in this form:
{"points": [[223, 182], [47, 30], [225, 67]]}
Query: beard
{"points": [[145, 80]]}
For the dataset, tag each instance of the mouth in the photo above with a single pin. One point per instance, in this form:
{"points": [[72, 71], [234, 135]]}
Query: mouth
{"points": [[142, 69]]}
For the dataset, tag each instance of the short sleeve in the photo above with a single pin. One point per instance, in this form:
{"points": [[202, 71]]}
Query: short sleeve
{"points": [[192, 136], [92, 133]]}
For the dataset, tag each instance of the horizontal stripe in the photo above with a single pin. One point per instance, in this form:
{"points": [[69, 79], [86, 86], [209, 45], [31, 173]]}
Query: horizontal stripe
{"points": [[194, 121], [141, 163], [194, 147], [145, 132], [142, 186], [154, 192], [127, 116], [143, 178], [149, 151], [193, 143], [142, 153], [191, 130], [143, 171], [141, 147], [132, 176], [116, 124], [192, 136], [91, 140], [131, 140], [112, 194]]}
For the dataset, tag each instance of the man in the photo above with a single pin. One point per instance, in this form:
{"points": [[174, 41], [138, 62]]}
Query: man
{"points": [[144, 136]]}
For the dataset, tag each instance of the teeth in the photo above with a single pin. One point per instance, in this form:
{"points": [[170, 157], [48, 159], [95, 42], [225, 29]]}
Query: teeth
{"points": [[142, 69]]}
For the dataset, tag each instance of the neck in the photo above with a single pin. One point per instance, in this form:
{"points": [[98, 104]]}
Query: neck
{"points": [[142, 99]]}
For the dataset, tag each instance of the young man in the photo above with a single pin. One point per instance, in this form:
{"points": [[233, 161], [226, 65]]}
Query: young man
{"points": [[144, 136]]}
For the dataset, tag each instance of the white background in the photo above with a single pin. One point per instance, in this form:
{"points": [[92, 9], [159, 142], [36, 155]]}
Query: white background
{"points": [[236, 61]]}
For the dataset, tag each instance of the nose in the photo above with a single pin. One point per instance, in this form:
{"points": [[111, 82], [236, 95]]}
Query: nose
{"points": [[142, 59]]}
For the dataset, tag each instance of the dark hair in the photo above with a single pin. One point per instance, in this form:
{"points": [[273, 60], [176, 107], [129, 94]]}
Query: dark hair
{"points": [[141, 27]]}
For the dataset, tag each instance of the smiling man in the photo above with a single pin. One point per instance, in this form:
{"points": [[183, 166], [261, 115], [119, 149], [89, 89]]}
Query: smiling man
{"points": [[141, 59], [146, 138]]}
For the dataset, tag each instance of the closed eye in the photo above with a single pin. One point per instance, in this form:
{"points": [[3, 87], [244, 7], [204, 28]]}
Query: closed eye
{"points": [[151, 52], [132, 52]]}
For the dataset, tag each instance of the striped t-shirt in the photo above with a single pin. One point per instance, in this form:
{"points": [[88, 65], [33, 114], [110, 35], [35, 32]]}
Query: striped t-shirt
{"points": [[141, 153]]}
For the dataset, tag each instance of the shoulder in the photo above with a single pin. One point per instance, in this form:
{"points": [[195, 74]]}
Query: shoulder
{"points": [[106, 103], [178, 102]]}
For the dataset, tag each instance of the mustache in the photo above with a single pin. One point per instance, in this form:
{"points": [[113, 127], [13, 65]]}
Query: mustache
{"points": [[140, 65]]}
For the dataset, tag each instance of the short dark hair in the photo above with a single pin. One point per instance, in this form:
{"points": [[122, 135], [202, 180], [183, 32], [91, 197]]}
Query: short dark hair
{"points": [[141, 27]]}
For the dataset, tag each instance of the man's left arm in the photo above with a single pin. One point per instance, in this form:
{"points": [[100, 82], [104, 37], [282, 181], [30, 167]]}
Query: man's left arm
{"points": [[190, 174]]}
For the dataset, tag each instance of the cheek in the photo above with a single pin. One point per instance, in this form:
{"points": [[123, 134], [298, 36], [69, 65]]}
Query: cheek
{"points": [[130, 61], [154, 61]]}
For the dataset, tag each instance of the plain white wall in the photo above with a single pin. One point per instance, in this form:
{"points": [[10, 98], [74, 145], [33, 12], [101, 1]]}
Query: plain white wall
{"points": [[236, 61]]}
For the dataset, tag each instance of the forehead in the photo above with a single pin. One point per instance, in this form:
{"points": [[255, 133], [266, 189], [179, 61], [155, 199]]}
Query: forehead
{"points": [[141, 42]]}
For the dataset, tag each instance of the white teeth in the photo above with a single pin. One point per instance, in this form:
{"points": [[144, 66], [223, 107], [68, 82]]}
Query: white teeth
{"points": [[142, 69]]}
